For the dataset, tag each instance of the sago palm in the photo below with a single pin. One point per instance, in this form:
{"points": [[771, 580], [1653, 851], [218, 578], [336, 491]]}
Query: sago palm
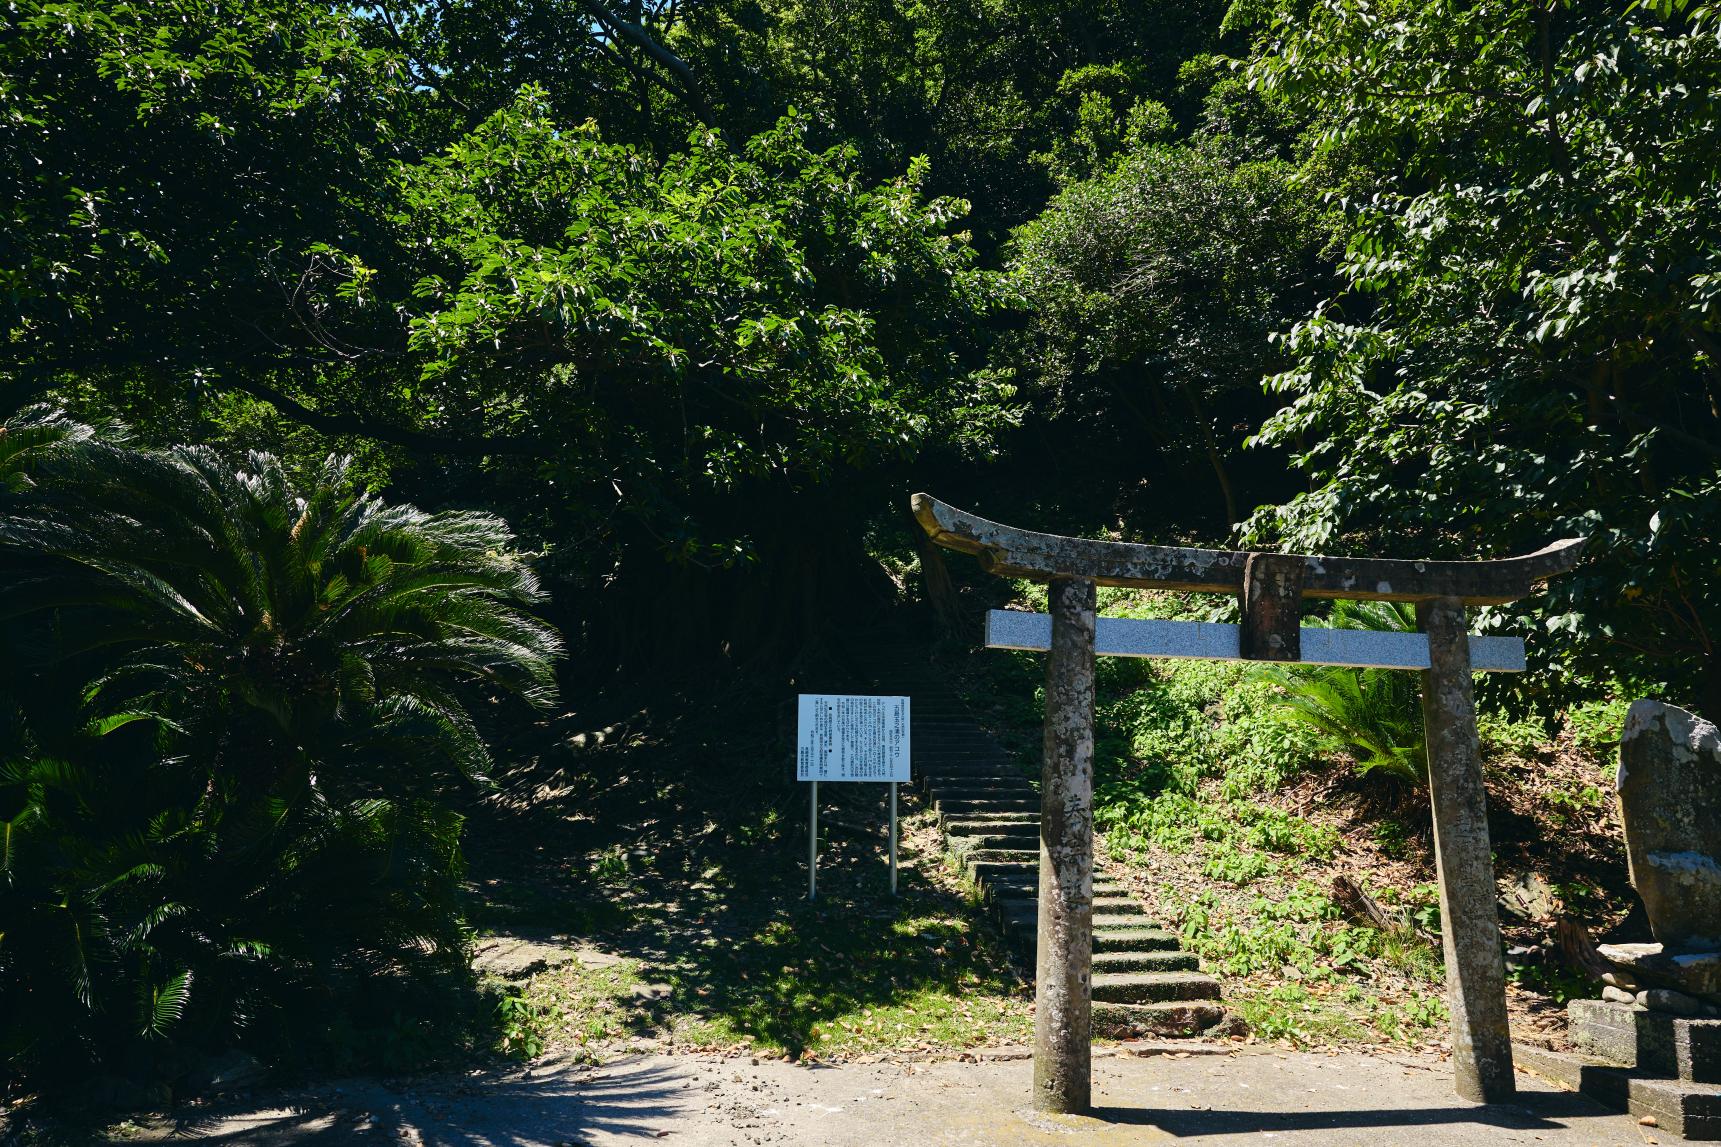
{"points": [[264, 695], [1375, 715]]}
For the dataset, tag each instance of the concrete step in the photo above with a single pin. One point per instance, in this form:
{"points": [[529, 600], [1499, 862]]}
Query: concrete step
{"points": [[1117, 921], [1027, 830], [937, 760], [969, 772], [1004, 856], [1028, 885], [1139, 939], [1001, 790], [965, 842], [986, 871], [988, 784], [1679, 1107], [1000, 822], [967, 807], [1105, 962], [989, 824], [1178, 1018], [1153, 987], [1024, 912]]}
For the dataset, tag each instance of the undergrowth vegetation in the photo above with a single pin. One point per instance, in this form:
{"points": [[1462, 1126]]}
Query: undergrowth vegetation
{"points": [[1231, 795], [245, 830]]}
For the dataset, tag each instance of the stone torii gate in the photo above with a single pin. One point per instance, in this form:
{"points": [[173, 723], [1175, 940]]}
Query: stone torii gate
{"points": [[1270, 587]]}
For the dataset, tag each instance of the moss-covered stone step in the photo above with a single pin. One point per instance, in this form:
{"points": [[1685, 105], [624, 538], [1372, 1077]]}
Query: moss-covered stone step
{"points": [[1117, 921], [1022, 853], [1176, 1018], [993, 822], [1137, 939], [981, 789], [1168, 961], [990, 805], [1153, 987], [961, 843]]}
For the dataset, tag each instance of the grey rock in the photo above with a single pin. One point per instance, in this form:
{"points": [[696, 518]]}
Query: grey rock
{"points": [[224, 1072], [1617, 995], [1651, 965], [1671, 1002], [1670, 799], [1619, 979], [521, 957]]}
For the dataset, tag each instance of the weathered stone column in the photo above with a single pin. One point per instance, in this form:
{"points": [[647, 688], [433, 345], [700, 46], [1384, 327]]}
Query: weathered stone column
{"points": [[1064, 955], [1469, 921]]}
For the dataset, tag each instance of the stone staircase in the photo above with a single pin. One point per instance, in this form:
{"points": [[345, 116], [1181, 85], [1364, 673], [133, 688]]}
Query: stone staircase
{"points": [[989, 812]]}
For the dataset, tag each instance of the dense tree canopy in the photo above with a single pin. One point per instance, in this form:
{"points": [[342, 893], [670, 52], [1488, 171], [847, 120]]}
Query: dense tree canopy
{"points": [[1527, 344], [617, 269]]}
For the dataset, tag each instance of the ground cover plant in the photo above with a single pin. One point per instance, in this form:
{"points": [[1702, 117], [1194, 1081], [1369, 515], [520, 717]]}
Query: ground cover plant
{"points": [[1232, 798]]}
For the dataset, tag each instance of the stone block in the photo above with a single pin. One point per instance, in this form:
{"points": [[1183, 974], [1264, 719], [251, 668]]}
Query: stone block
{"points": [[1680, 1107], [1698, 973], [1655, 1043]]}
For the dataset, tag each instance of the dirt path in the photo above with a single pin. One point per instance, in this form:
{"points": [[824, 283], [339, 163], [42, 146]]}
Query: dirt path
{"points": [[1295, 1100]]}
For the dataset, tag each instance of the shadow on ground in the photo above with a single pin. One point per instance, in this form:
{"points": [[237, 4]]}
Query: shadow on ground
{"points": [[682, 844]]}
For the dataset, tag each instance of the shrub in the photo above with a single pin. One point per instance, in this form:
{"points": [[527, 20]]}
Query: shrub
{"points": [[236, 715]]}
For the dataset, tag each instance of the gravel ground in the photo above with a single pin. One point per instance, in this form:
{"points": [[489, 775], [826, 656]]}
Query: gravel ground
{"points": [[710, 1101]]}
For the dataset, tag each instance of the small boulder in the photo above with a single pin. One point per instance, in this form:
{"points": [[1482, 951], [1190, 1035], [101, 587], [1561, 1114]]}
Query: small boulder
{"points": [[1695, 973], [522, 957], [1619, 979], [1671, 1002]]}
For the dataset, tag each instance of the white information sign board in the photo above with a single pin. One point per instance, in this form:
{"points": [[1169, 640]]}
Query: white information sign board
{"points": [[844, 737]]}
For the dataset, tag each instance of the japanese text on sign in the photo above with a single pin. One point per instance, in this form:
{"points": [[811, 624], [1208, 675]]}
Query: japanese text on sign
{"points": [[849, 738]]}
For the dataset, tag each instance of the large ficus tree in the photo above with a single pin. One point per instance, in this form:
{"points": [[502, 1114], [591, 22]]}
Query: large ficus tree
{"points": [[1528, 344]]}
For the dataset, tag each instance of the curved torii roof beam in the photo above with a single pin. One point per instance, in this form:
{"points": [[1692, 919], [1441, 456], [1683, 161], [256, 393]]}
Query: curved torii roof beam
{"points": [[1010, 552]]}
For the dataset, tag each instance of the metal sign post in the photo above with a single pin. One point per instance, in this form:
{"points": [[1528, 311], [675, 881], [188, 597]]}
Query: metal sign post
{"points": [[893, 838], [846, 737], [813, 843]]}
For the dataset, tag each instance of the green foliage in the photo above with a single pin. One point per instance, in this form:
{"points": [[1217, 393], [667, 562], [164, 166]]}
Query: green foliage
{"points": [[1527, 343], [1375, 715], [1597, 725], [1154, 286], [1296, 931], [237, 715], [163, 168], [681, 332]]}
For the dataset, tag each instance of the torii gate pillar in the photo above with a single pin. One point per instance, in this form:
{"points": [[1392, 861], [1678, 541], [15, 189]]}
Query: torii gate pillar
{"points": [[1064, 947], [1469, 920]]}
